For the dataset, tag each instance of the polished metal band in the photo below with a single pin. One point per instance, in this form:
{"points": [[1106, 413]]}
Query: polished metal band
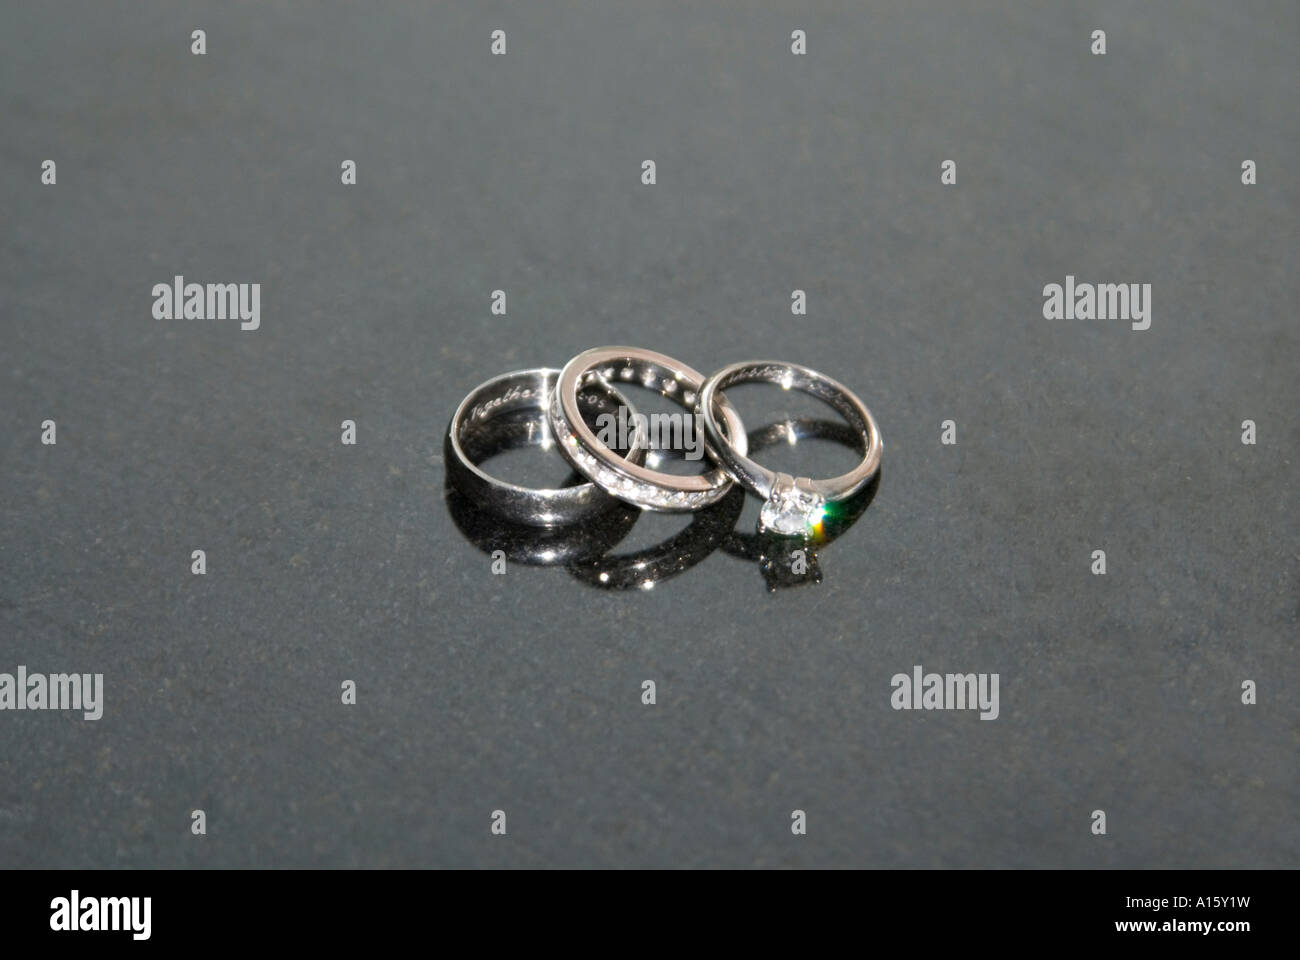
{"points": [[525, 390], [646, 488]]}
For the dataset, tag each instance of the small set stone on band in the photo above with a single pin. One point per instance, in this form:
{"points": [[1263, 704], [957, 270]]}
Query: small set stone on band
{"points": [[556, 400]]}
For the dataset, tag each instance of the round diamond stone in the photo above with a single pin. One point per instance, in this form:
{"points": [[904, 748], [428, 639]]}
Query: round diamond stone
{"points": [[792, 513]]}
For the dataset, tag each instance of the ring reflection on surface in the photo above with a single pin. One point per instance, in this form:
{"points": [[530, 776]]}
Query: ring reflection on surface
{"points": [[643, 569]]}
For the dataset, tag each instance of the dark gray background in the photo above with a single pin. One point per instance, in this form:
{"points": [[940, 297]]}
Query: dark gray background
{"points": [[775, 172]]}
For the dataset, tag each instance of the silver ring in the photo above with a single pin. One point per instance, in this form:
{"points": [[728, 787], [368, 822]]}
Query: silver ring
{"points": [[646, 488], [794, 506], [508, 393]]}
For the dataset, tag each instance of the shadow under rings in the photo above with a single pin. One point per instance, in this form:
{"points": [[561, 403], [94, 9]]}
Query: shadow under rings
{"points": [[538, 546], [644, 568], [584, 548]]}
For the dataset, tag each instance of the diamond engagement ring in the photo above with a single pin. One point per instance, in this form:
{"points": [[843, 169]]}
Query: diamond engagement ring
{"points": [[793, 506]]}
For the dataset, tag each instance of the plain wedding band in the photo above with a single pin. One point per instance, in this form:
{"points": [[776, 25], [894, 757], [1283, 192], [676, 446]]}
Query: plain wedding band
{"points": [[506, 394]]}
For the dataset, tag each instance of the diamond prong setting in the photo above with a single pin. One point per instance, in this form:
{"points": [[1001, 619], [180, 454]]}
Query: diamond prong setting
{"points": [[793, 509]]}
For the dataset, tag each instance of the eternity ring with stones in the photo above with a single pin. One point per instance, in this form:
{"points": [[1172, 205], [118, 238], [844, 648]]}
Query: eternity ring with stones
{"points": [[483, 414], [629, 481], [793, 506]]}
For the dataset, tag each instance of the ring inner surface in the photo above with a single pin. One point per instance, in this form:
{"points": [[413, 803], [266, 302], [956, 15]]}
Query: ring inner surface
{"points": [[789, 378], [504, 396], [510, 413]]}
